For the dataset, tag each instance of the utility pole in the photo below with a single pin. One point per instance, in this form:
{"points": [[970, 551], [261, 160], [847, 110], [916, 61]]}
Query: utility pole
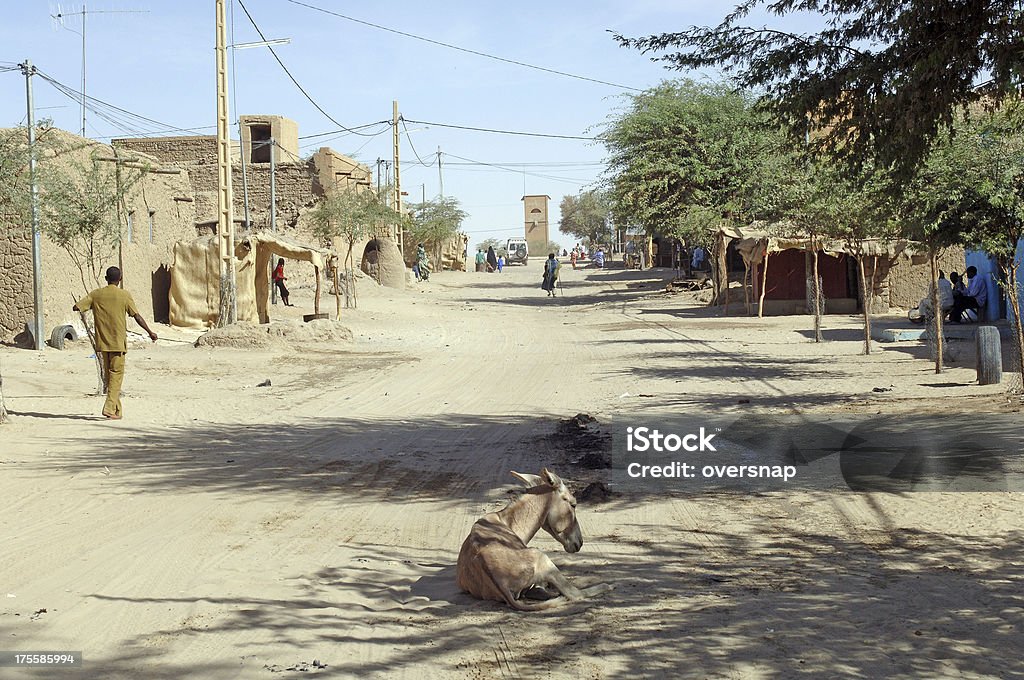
{"points": [[245, 180], [273, 185], [398, 182], [440, 179], [228, 309], [273, 210], [37, 241], [83, 71]]}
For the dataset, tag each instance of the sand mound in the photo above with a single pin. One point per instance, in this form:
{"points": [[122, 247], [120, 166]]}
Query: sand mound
{"points": [[279, 334]]}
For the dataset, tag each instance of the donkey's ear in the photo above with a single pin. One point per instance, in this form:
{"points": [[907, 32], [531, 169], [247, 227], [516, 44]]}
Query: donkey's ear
{"points": [[550, 478], [528, 480]]}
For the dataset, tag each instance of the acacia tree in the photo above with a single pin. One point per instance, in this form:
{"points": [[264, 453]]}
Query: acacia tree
{"points": [[686, 157], [981, 165], [855, 209], [434, 222], [351, 215], [884, 76], [83, 211], [587, 216], [495, 243], [83, 207]]}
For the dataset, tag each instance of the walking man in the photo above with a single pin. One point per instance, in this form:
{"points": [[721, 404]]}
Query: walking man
{"points": [[110, 306]]}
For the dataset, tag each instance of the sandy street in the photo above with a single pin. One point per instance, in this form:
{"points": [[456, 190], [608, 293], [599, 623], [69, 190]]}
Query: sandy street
{"points": [[226, 530]]}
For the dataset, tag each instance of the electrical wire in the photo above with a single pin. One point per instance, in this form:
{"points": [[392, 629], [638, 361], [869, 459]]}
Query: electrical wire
{"points": [[503, 132], [289, 74], [408, 137], [120, 118], [348, 130], [463, 49], [520, 172]]}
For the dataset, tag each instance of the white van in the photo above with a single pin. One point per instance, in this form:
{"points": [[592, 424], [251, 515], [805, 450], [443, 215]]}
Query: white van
{"points": [[517, 251]]}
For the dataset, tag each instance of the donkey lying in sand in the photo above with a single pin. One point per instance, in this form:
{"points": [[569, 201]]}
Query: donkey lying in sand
{"points": [[495, 564]]}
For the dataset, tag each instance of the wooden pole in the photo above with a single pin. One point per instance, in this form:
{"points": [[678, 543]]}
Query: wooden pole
{"points": [[228, 308], [316, 300], [746, 289], [936, 311]]}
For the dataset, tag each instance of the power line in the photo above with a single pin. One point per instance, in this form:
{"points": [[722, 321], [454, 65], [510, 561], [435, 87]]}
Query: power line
{"points": [[347, 130], [463, 49], [502, 132], [289, 73], [121, 118], [519, 172], [426, 165]]}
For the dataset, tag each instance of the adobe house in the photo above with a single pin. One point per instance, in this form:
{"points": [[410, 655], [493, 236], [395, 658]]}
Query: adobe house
{"points": [[299, 184]]}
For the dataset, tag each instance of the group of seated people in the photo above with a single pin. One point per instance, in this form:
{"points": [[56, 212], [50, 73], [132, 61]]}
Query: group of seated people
{"points": [[959, 302]]}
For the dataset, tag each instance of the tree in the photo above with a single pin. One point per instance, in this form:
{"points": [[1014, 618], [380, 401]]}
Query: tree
{"points": [[83, 206], [855, 210], [83, 210], [495, 243], [686, 157], [587, 217], [434, 222], [882, 77], [351, 215], [979, 169]]}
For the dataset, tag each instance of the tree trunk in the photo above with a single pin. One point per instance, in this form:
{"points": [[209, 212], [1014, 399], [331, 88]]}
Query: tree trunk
{"points": [[1018, 328], [350, 286], [865, 304], [101, 378], [936, 311], [337, 290], [818, 337], [3, 407], [764, 286]]}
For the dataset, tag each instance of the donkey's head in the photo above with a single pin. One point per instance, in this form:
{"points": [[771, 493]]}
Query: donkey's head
{"points": [[560, 509]]}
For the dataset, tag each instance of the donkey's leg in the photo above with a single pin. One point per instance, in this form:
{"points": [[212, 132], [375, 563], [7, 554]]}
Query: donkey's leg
{"points": [[548, 574]]}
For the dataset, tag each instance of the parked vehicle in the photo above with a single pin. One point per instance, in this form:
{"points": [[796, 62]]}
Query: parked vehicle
{"points": [[518, 251]]}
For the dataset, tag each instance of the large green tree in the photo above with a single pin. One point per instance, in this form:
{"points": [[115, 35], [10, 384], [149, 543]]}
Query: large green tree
{"points": [[434, 222], [587, 217], [974, 191], [684, 156], [879, 78]]}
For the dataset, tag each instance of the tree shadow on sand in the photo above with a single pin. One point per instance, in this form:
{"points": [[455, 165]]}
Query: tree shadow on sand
{"points": [[785, 603]]}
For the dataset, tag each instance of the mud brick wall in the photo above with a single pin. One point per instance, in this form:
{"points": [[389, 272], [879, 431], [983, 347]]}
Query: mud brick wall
{"points": [[909, 282], [15, 282]]}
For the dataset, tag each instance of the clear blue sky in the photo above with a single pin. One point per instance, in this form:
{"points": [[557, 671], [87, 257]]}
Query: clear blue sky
{"points": [[160, 63]]}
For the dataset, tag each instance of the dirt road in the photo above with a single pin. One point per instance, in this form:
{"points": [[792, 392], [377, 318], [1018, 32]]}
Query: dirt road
{"points": [[226, 530]]}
